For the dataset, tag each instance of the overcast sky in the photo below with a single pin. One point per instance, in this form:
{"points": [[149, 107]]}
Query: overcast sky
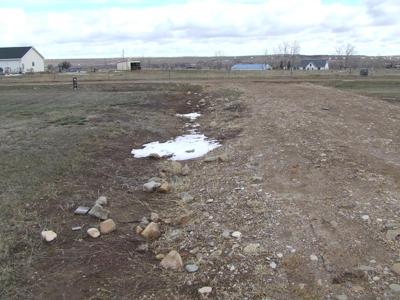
{"points": [[103, 28]]}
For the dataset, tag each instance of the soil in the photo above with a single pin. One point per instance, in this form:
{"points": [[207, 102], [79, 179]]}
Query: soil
{"points": [[307, 171]]}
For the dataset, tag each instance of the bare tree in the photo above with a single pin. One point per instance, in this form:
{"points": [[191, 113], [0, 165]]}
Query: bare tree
{"points": [[289, 52], [346, 53], [218, 58]]}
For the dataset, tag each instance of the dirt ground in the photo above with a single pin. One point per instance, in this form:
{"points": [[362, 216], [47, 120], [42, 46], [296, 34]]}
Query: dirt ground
{"points": [[309, 176]]}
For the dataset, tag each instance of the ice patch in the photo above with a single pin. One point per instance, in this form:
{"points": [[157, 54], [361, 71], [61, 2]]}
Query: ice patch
{"points": [[192, 116]]}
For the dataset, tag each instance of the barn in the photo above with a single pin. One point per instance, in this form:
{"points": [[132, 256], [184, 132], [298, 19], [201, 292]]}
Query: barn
{"points": [[314, 64], [129, 65], [14, 60]]}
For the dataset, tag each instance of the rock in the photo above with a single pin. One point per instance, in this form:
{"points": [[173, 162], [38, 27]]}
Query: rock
{"points": [[76, 228], [154, 156], [279, 255], [213, 124], [138, 229], [209, 201], [226, 233], [237, 234], [151, 232], [144, 222], [341, 297], [365, 217], [395, 287], [313, 257], [256, 179], [251, 248], [160, 256], [175, 167], [151, 186], [202, 101], [174, 234], [102, 200], [93, 232], [365, 268], [186, 197], [142, 248], [205, 290], [185, 170], [396, 268], [165, 187], [393, 235], [154, 217], [99, 212], [210, 159], [49, 235], [223, 157], [107, 226], [191, 268], [81, 210], [273, 265], [184, 219], [172, 261]]}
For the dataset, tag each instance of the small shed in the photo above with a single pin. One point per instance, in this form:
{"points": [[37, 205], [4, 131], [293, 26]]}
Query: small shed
{"points": [[129, 65], [251, 67]]}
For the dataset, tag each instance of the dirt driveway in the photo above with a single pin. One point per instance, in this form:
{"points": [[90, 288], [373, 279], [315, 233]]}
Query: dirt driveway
{"points": [[308, 175]]}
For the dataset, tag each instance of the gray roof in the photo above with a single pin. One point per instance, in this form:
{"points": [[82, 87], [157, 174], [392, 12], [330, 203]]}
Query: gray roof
{"points": [[13, 52], [319, 63], [249, 67]]}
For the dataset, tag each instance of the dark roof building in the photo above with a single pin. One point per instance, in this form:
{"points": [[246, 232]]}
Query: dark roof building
{"points": [[13, 52], [20, 60], [314, 64]]}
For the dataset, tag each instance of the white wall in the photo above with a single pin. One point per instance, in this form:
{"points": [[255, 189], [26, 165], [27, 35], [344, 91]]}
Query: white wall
{"points": [[12, 65], [28, 58], [123, 66]]}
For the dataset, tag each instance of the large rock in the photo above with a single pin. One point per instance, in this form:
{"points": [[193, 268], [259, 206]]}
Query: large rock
{"points": [[151, 232], [99, 211], [396, 268], [49, 235], [151, 186], [107, 226], [172, 261]]}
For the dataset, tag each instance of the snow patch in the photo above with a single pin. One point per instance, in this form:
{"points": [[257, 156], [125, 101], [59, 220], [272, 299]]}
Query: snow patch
{"points": [[192, 116]]}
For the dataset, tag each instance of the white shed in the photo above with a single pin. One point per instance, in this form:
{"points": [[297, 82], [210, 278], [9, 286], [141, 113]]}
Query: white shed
{"points": [[128, 65], [20, 60]]}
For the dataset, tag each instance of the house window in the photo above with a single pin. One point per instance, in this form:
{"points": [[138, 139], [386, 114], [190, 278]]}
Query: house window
{"points": [[33, 64]]}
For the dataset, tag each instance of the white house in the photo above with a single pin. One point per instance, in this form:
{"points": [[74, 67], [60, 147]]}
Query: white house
{"points": [[314, 64], [20, 60]]}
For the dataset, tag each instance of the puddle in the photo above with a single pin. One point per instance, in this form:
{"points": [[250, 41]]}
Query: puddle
{"points": [[184, 147]]}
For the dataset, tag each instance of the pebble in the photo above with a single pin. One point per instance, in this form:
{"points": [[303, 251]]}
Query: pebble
{"points": [[210, 201], [191, 268], [99, 212], [154, 217], [365, 217], [313, 257], [186, 197], [49, 235], [165, 187], [280, 255], [151, 232], [256, 179], [102, 200], [205, 290], [273, 265], [395, 287], [151, 186], [226, 234], [138, 229], [172, 261], [392, 234], [81, 210], [251, 248], [107, 226], [76, 228], [375, 278], [341, 297], [396, 268], [236, 234], [185, 170], [160, 256], [93, 232]]}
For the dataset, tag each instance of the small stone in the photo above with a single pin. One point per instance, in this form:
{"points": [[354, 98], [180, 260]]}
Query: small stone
{"points": [[256, 179], [236, 234], [357, 288], [185, 170], [365, 268], [172, 261], [102, 200], [226, 233], [175, 167], [396, 268], [223, 157], [154, 217], [81, 210], [313, 257], [273, 265], [375, 278], [341, 297], [209, 201], [138, 229], [165, 187], [154, 156], [151, 232], [107, 226], [251, 248], [395, 287], [151, 186], [210, 158], [143, 248], [49, 235], [144, 222], [205, 290], [184, 219], [393, 234], [93, 232], [191, 268], [160, 256], [99, 212], [280, 255], [76, 228], [186, 197], [365, 217]]}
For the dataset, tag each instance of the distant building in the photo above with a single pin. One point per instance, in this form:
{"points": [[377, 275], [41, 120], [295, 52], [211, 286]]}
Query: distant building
{"points": [[314, 64], [129, 65], [20, 60], [251, 67]]}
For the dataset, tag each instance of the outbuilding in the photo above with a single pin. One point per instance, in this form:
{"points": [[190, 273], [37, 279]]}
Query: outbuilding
{"points": [[129, 65], [14, 60], [251, 67], [314, 64]]}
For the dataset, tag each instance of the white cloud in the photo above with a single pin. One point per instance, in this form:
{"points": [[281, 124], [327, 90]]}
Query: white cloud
{"points": [[203, 27]]}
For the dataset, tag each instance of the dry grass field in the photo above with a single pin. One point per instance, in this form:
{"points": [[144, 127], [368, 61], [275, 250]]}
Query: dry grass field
{"points": [[308, 173]]}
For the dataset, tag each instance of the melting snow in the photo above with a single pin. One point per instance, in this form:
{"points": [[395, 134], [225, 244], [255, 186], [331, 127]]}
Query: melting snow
{"points": [[192, 116]]}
